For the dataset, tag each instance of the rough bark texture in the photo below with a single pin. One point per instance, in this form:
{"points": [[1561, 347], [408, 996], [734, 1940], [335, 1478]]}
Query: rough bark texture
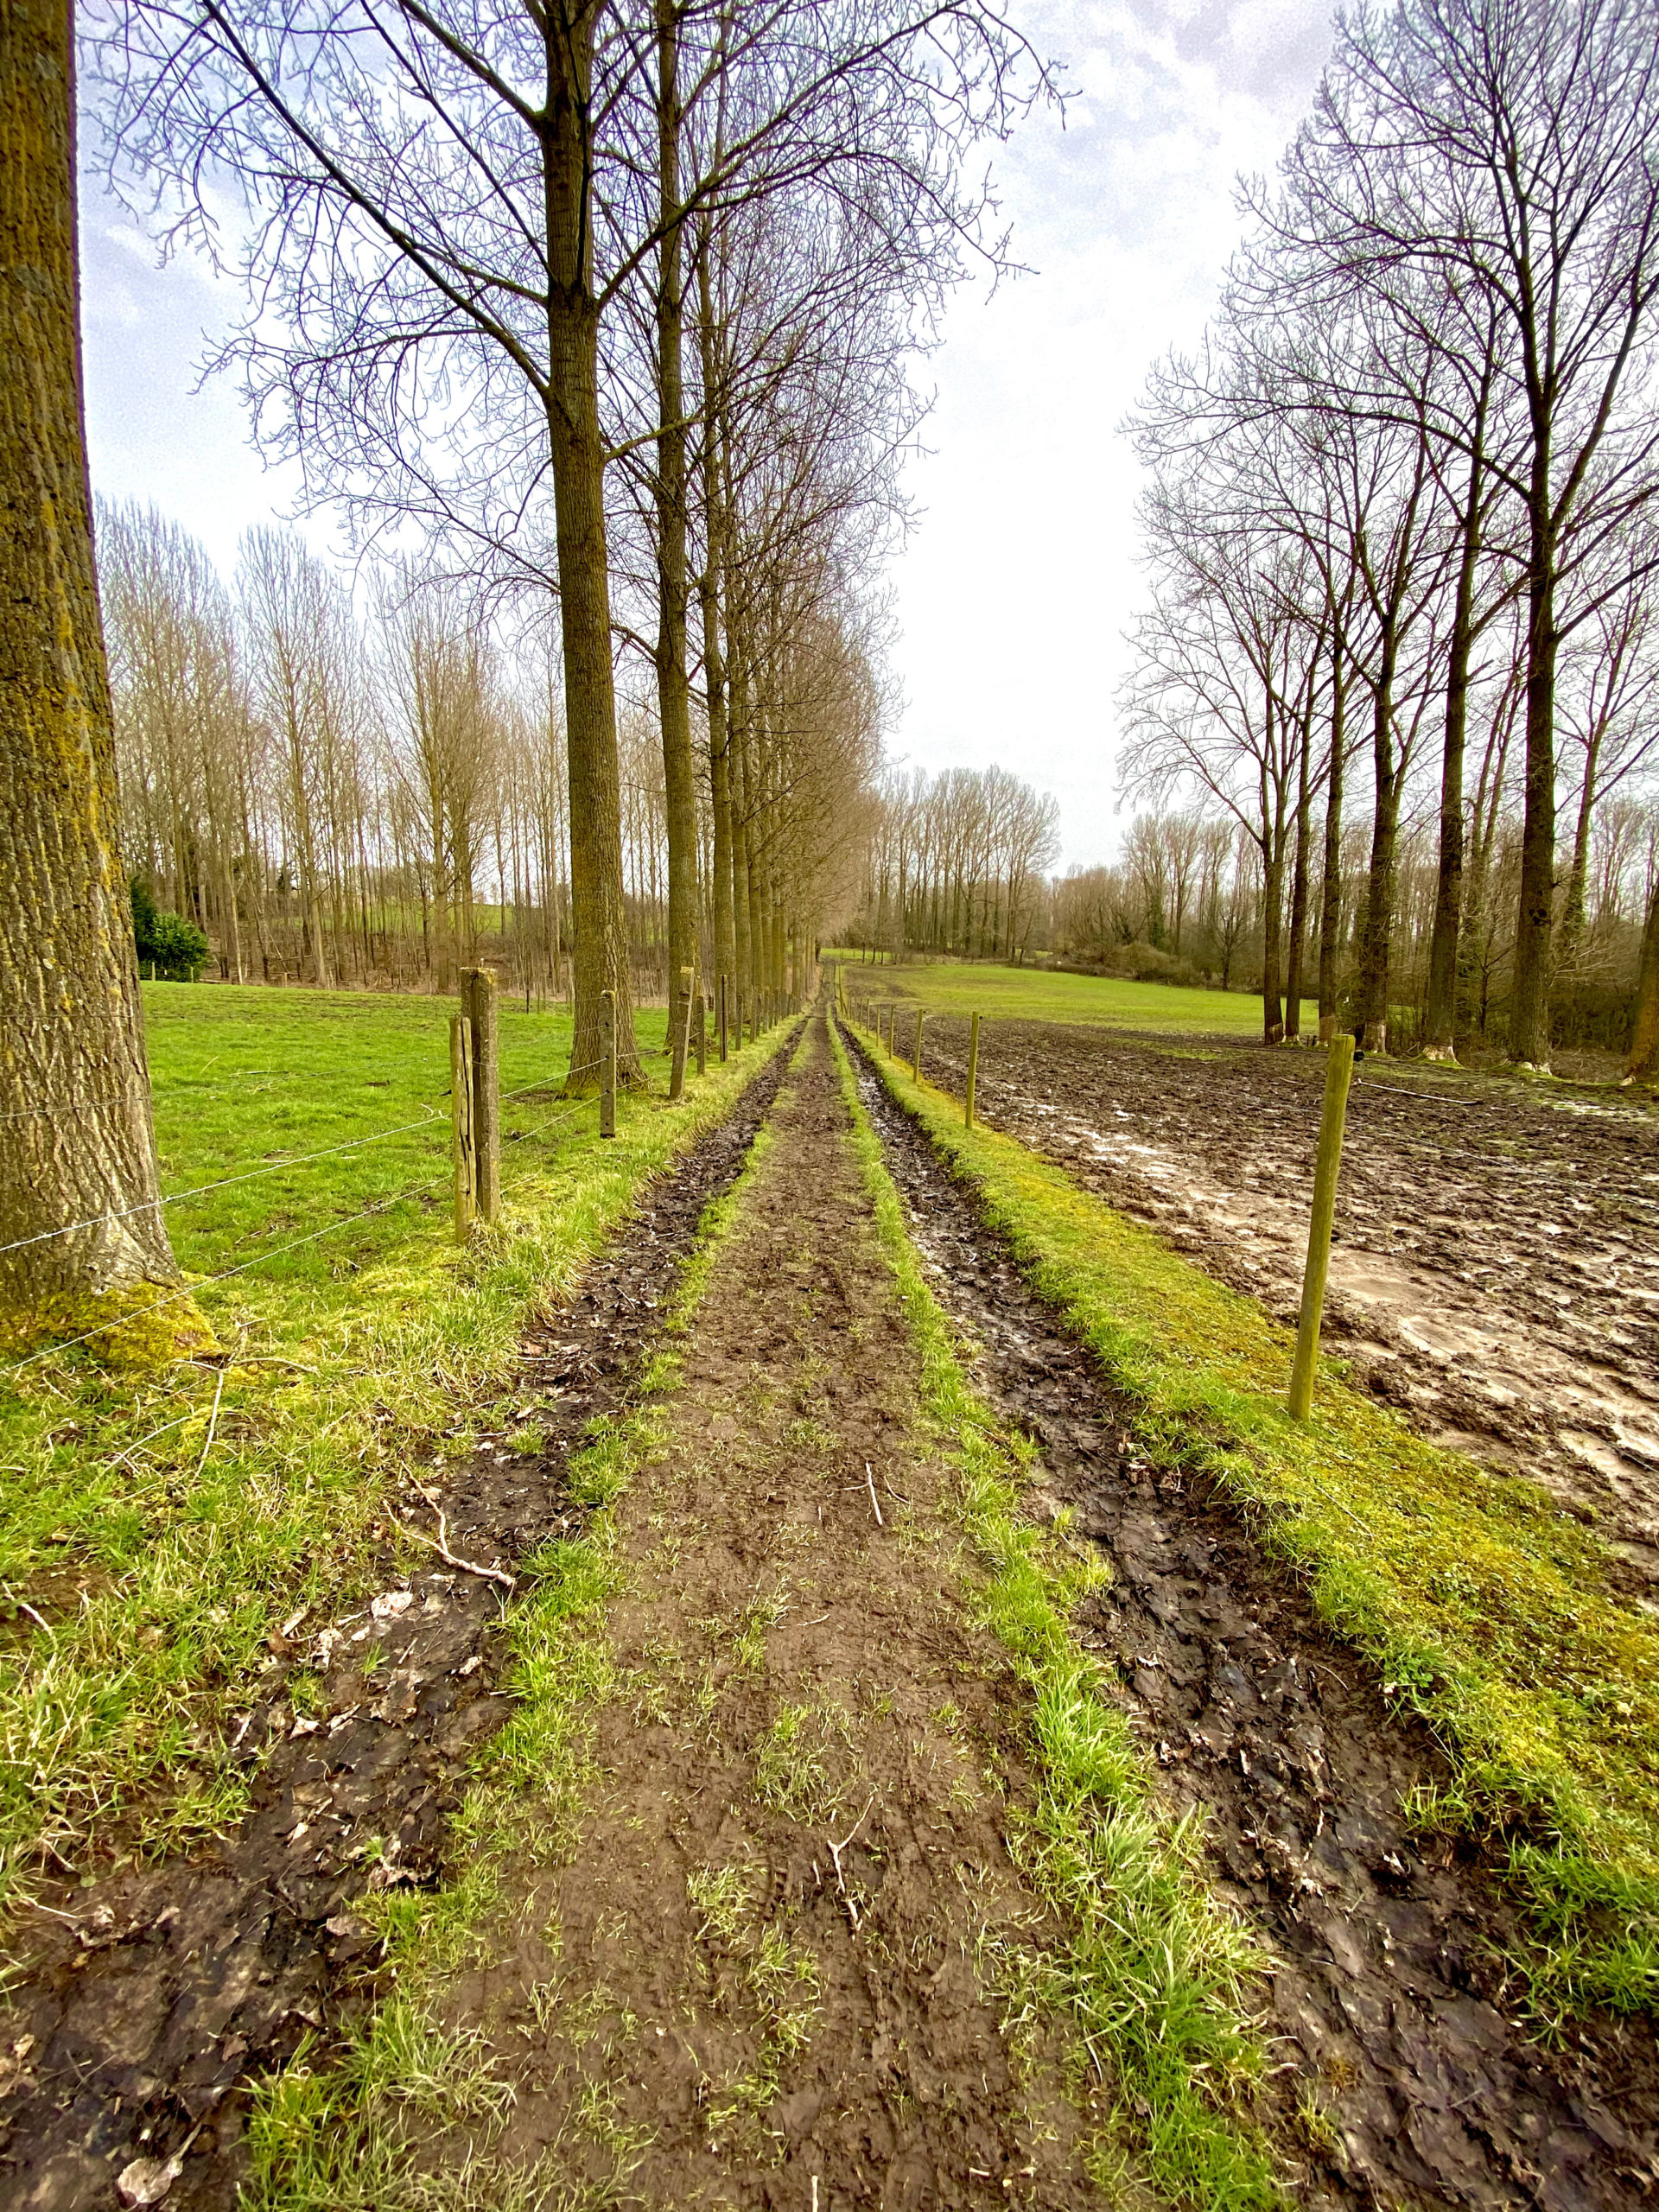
{"points": [[673, 689], [75, 1137], [1330, 884], [1644, 1043], [600, 954], [1530, 1008]]}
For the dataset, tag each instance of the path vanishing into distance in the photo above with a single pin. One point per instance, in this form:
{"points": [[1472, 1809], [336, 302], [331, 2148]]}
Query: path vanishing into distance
{"points": [[833, 1764]]}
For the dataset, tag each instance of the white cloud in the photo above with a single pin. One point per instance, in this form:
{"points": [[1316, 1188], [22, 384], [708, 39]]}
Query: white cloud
{"points": [[1013, 592]]}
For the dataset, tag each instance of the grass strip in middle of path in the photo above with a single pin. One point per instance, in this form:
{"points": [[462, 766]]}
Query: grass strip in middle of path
{"points": [[1154, 1971], [1483, 1607], [361, 2131]]}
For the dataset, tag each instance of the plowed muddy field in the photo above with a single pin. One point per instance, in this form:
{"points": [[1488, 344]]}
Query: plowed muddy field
{"points": [[1496, 1275]]}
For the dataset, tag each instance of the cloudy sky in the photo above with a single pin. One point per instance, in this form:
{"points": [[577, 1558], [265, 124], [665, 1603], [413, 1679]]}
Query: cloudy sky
{"points": [[1016, 584]]}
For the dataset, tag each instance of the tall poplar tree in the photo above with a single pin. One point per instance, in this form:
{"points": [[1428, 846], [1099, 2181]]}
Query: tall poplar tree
{"points": [[76, 1144]]}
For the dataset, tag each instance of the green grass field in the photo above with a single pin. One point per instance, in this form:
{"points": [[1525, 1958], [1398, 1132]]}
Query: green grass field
{"points": [[1029, 994], [157, 1521]]}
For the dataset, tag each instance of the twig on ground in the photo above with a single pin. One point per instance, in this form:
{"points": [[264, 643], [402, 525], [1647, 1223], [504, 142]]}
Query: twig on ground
{"points": [[870, 1479], [213, 1421], [835, 1850], [440, 1543]]}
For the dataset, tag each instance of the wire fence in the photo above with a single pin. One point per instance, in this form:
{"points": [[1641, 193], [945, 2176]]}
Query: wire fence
{"points": [[430, 1118], [278, 1166]]}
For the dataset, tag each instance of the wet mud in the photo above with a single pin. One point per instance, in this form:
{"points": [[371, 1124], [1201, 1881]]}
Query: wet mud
{"points": [[1496, 1274], [1405, 2076], [773, 1947], [150, 1998]]}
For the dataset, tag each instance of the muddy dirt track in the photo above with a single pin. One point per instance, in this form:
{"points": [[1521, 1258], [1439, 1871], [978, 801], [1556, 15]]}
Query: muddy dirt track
{"points": [[1496, 1276], [778, 1926]]}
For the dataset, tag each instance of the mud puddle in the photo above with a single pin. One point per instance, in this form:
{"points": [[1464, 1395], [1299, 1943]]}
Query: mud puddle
{"points": [[150, 1998], [1406, 2077], [1496, 1275]]}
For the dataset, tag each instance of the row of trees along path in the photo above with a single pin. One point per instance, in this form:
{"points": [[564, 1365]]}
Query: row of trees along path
{"points": [[480, 250]]}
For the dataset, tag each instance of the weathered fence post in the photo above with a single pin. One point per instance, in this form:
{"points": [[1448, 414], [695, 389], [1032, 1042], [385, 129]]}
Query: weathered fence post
{"points": [[1339, 1068], [460, 1124], [679, 1019], [607, 1063], [917, 1069], [702, 1032], [973, 1071], [479, 1000], [724, 981]]}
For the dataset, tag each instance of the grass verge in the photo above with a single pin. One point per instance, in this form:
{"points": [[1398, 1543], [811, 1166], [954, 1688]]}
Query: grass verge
{"points": [[1152, 1971], [366, 2128], [1006, 994], [1483, 1607], [157, 1523]]}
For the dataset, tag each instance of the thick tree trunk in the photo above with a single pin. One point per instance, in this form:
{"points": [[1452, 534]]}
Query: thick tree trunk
{"points": [[742, 979], [599, 916], [75, 1137], [1571, 938], [1530, 996], [1439, 1013], [1330, 878], [1297, 954], [1372, 1026], [1273, 923], [1644, 1064], [714, 663], [673, 689]]}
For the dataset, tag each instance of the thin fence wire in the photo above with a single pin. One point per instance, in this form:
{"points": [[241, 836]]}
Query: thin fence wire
{"points": [[251, 1174], [377, 1206], [189, 1290], [201, 1190]]}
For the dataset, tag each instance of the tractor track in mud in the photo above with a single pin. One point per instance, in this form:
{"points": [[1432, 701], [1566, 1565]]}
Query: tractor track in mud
{"points": [[148, 2000], [1388, 1985]]}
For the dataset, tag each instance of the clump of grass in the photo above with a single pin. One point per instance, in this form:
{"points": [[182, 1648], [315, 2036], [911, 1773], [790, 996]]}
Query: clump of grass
{"points": [[721, 1894], [1152, 1972], [1483, 1607], [789, 1771]]}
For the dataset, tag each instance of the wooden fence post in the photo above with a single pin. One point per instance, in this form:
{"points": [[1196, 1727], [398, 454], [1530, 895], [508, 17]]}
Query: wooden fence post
{"points": [[702, 1032], [973, 1071], [460, 1124], [724, 981], [607, 1063], [1339, 1068], [679, 1021], [479, 1000], [917, 1069]]}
